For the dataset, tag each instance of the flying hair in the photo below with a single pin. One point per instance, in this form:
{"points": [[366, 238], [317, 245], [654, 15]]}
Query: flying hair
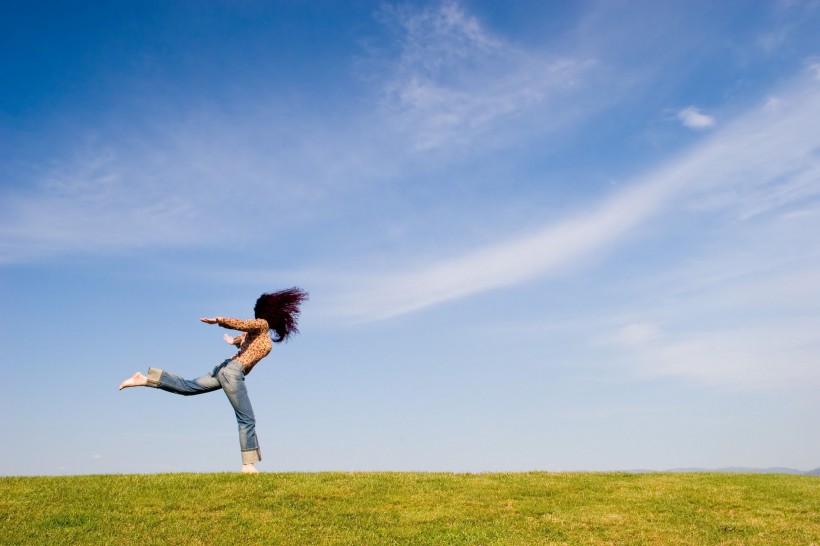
{"points": [[281, 311]]}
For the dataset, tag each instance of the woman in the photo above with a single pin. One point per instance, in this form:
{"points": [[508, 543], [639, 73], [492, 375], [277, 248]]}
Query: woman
{"points": [[277, 312]]}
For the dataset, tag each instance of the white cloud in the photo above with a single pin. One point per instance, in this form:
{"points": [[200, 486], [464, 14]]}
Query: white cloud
{"points": [[695, 119], [781, 354], [507, 263], [743, 311], [202, 181], [438, 37], [452, 87], [770, 155], [91, 204], [635, 335], [453, 80]]}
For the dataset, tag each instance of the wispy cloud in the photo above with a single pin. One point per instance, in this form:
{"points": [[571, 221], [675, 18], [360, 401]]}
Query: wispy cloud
{"points": [[635, 335], [742, 313], [770, 154], [693, 118], [88, 205], [750, 334], [452, 86], [453, 79], [506, 263], [196, 182], [781, 354]]}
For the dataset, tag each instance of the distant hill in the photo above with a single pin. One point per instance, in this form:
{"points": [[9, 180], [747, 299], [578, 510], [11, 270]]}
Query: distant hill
{"points": [[746, 470]]}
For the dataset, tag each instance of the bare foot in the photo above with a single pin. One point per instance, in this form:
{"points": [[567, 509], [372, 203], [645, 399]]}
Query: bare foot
{"points": [[249, 469], [136, 380]]}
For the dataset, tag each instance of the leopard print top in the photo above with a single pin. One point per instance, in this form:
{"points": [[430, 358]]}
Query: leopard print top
{"points": [[254, 344]]}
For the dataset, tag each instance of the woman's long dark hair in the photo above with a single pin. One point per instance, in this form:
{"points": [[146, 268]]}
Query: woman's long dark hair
{"points": [[281, 311]]}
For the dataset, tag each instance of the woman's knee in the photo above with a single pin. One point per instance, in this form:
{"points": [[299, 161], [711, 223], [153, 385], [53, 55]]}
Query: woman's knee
{"points": [[246, 426]]}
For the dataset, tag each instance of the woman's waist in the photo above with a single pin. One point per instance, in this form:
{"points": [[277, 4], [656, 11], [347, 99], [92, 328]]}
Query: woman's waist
{"points": [[248, 361]]}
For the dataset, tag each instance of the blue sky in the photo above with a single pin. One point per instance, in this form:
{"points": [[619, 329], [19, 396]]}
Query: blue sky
{"points": [[546, 236]]}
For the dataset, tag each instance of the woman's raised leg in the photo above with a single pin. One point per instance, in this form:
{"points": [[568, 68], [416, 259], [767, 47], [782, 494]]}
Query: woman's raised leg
{"points": [[176, 384], [167, 381]]}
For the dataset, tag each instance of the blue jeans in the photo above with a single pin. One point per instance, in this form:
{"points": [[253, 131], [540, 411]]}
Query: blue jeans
{"points": [[230, 377]]}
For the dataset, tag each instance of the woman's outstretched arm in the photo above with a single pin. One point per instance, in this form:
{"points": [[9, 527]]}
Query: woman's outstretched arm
{"points": [[249, 325]]}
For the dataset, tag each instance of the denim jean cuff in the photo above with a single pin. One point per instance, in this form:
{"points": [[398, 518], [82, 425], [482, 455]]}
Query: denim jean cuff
{"points": [[250, 456], [154, 375]]}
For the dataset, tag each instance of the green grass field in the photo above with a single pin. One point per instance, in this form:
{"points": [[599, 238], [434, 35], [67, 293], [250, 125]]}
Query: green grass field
{"points": [[412, 508]]}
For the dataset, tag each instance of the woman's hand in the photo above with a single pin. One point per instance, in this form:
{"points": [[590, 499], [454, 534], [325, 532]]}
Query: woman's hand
{"points": [[228, 339], [210, 320]]}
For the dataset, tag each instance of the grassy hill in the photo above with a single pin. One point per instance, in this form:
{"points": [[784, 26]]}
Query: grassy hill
{"points": [[412, 508]]}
